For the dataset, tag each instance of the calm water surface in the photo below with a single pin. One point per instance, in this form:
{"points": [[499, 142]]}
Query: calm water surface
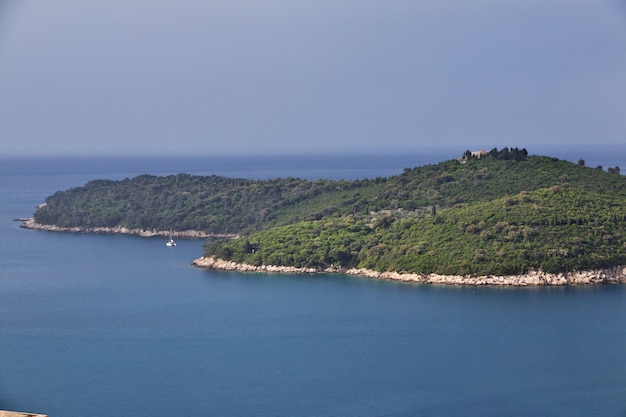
{"points": [[113, 325]]}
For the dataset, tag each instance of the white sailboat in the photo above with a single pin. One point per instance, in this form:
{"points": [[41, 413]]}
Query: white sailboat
{"points": [[170, 242]]}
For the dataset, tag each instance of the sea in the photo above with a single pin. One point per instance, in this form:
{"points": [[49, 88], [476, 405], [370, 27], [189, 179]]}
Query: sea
{"points": [[109, 325]]}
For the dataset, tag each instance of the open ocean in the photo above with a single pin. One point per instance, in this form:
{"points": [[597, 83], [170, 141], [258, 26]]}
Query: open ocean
{"points": [[103, 325]]}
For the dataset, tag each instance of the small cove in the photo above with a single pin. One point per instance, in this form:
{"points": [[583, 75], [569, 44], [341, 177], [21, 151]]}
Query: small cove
{"points": [[100, 325]]}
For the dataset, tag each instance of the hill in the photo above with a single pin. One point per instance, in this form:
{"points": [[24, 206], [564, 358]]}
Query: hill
{"points": [[504, 213]]}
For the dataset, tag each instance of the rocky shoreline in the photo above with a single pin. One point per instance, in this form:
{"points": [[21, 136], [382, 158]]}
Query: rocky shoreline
{"points": [[615, 275], [29, 223]]}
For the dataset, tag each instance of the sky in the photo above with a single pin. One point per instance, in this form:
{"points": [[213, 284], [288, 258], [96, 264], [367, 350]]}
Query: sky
{"points": [[205, 77]]}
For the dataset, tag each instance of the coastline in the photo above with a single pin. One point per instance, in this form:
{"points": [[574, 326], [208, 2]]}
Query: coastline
{"points": [[29, 223], [614, 275]]}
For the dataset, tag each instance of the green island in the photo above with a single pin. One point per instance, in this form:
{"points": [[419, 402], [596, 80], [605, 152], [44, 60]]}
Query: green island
{"points": [[497, 213]]}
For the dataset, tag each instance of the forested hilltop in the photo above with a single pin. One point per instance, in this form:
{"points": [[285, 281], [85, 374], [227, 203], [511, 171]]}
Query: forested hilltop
{"points": [[501, 213]]}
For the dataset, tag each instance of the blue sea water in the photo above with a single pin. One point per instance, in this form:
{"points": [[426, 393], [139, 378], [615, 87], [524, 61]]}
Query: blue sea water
{"points": [[99, 325]]}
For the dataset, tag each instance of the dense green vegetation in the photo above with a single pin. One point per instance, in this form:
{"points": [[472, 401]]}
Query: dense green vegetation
{"points": [[185, 202], [553, 229], [504, 213]]}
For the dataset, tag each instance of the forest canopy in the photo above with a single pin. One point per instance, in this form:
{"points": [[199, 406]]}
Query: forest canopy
{"points": [[496, 212]]}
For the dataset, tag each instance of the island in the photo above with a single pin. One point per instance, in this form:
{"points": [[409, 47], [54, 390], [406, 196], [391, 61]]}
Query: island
{"points": [[502, 217]]}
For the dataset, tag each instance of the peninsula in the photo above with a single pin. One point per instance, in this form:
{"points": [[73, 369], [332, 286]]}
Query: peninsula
{"points": [[501, 217]]}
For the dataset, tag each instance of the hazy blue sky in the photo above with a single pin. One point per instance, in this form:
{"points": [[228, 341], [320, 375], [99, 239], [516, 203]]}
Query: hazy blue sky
{"points": [[206, 77]]}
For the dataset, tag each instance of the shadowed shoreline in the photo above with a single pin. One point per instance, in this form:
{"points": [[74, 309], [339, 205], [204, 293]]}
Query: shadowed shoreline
{"points": [[29, 223]]}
